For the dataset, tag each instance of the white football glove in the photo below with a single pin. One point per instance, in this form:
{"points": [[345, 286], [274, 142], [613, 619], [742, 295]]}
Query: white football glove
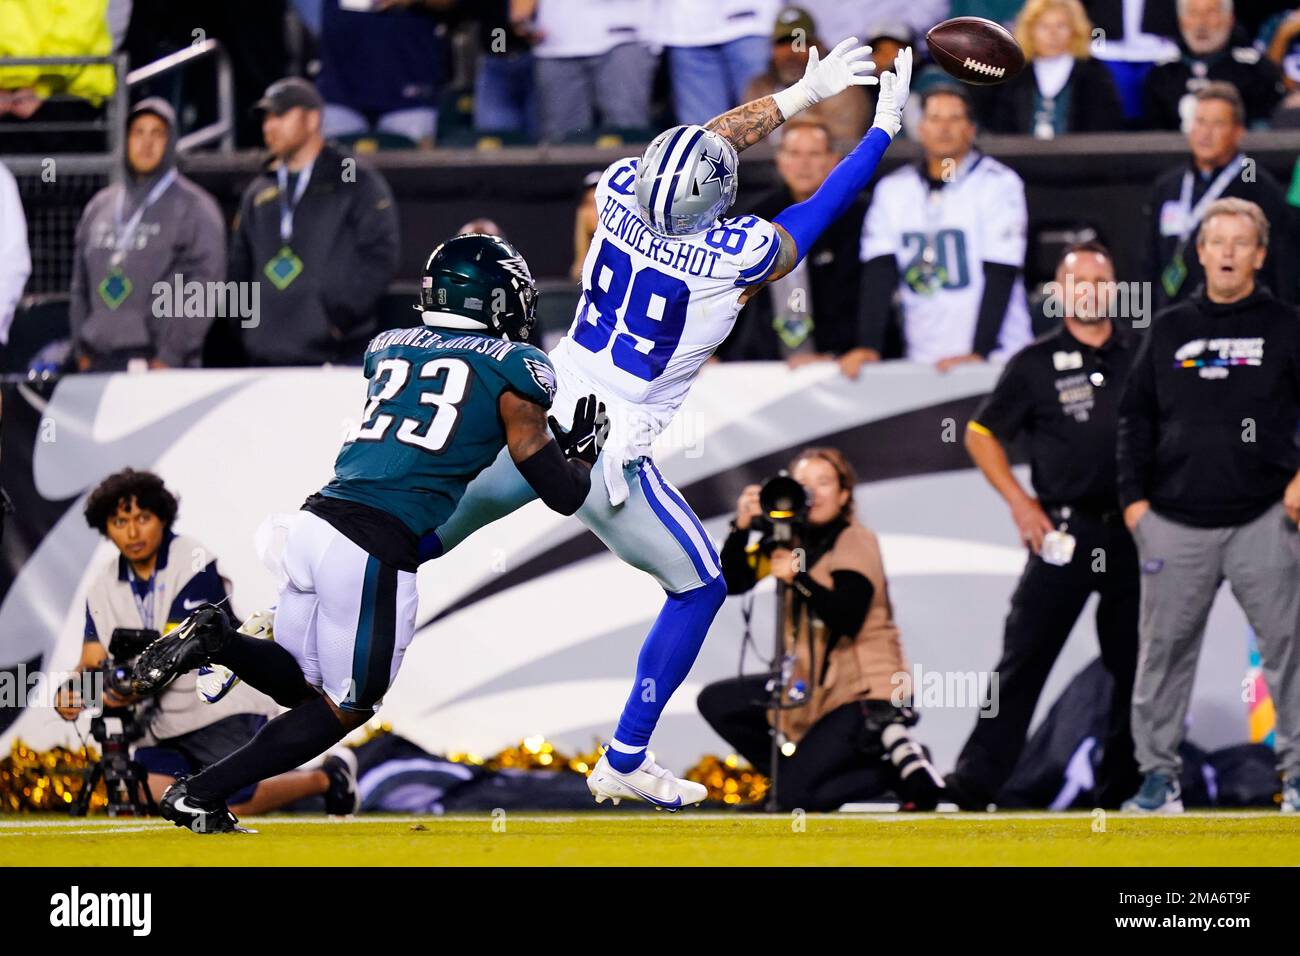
{"points": [[895, 86], [846, 65]]}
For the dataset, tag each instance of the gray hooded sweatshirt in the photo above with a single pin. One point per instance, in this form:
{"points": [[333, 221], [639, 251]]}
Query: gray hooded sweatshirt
{"points": [[115, 313]]}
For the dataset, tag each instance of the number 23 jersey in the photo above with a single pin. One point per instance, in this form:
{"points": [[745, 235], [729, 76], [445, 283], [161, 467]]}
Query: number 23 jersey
{"points": [[653, 309], [431, 421]]}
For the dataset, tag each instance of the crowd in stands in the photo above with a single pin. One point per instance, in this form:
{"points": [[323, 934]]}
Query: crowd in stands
{"points": [[413, 72], [885, 282]]}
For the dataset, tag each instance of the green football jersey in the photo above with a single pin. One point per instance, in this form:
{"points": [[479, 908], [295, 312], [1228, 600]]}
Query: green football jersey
{"points": [[431, 423]]}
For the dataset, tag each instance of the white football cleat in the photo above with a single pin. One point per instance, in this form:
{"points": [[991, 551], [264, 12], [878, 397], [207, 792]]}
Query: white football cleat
{"points": [[215, 681], [651, 783], [260, 624]]}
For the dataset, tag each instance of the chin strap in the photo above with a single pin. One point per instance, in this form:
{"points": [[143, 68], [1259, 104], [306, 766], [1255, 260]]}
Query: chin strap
{"points": [[449, 320]]}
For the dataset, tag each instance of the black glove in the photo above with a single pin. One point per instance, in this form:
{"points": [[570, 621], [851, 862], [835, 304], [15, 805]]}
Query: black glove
{"points": [[587, 436]]}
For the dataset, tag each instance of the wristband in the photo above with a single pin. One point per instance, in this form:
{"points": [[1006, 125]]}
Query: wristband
{"points": [[793, 100]]}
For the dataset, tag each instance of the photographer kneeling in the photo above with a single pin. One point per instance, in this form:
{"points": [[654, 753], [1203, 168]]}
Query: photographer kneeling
{"points": [[156, 580], [842, 653]]}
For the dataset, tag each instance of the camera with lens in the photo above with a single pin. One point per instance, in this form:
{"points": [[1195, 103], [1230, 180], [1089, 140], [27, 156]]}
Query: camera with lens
{"points": [[126, 644], [115, 728], [784, 504]]}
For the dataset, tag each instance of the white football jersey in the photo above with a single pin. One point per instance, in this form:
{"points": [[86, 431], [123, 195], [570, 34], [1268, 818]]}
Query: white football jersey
{"points": [[941, 240], [693, 23], [653, 310], [588, 27]]}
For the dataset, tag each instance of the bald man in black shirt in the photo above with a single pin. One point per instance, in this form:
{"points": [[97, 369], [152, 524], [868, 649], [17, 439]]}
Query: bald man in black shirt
{"points": [[1062, 392]]}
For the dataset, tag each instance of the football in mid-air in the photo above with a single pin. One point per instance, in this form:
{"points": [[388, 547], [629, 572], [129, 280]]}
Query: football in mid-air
{"points": [[975, 50]]}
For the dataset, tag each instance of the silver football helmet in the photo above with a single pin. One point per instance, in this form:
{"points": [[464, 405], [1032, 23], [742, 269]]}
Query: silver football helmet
{"points": [[686, 180]]}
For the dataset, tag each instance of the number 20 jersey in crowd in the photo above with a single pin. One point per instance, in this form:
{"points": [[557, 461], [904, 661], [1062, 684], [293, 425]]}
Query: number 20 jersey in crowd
{"points": [[431, 423], [653, 309]]}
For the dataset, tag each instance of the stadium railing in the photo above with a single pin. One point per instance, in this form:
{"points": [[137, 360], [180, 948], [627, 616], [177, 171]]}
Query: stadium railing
{"points": [[56, 186], [222, 130]]}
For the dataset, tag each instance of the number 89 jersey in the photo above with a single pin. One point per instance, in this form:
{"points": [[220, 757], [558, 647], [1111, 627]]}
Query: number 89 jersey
{"points": [[654, 308], [431, 421]]}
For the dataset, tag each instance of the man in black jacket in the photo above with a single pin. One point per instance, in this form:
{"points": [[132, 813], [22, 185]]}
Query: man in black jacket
{"points": [[1207, 466], [811, 314], [318, 232], [1216, 168], [1062, 393], [1210, 48]]}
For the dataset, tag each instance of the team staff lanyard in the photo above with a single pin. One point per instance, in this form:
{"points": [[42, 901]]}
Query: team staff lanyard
{"points": [[285, 266], [116, 286], [145, 604], [1175, 273]]}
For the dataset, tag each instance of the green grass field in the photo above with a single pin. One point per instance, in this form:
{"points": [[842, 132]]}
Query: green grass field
{"points": [[686, 839]]}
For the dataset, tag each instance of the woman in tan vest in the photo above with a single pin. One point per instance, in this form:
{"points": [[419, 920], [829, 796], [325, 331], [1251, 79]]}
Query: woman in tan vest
{"points": [[844, 737]]}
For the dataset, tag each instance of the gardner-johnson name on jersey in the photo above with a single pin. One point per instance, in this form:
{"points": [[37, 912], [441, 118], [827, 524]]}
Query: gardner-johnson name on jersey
{"points": [[625, 225], [427, 339]]}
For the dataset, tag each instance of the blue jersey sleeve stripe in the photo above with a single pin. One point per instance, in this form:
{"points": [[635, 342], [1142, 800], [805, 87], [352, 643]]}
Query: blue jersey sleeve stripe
{"points": [[759, 272], [766, 263]]}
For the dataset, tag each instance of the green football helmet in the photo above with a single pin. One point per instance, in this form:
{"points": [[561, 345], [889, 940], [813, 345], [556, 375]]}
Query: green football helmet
{"points": [[480, 283]]}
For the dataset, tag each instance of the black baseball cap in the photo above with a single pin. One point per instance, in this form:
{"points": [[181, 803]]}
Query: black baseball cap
{"points": [[791, 23], [283, 95]]}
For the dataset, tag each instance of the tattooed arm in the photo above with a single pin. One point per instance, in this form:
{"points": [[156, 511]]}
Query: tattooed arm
{"points": [[748, 123], [847, 65]]}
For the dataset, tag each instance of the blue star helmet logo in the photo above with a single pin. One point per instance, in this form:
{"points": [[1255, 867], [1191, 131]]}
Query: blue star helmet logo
{"points": [[719, 171]]}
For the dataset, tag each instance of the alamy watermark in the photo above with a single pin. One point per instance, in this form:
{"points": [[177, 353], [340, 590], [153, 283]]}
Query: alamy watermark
{"points": [[20, 687], [1107, 300], [179, 299], [924, 689]]}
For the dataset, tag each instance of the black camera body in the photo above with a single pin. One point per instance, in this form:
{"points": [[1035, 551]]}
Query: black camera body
{"points": [[785, 510], [126, 644]]}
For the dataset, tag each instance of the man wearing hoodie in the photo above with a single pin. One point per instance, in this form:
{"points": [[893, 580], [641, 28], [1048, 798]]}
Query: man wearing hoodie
{"points": [[1207, 476], [151, 227], [318, 231]]}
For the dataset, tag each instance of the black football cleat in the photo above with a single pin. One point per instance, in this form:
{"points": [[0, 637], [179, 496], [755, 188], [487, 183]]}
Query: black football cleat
{"points": [[342, 799], [198, 816], [190, 644]]}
